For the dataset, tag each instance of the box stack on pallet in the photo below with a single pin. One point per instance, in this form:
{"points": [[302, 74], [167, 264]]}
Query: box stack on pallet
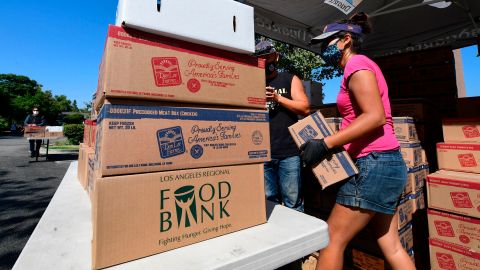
{"points": [[181, 132], [454, 198]]}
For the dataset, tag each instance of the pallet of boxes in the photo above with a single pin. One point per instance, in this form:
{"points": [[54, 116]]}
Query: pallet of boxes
{"points": [[363, 251], [181, 133], [454, 198]]}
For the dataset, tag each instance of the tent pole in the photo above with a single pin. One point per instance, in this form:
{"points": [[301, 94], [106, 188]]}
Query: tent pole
{"points": [[385, 7], [406, 7]]}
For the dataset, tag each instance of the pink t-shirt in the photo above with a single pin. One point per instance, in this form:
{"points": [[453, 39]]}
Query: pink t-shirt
{"points": [[382, 139]]}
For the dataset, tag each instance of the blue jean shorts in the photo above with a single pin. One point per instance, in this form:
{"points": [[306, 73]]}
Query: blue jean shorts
{"points": [[379, 184]]}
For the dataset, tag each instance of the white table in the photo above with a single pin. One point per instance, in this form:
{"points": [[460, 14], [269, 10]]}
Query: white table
{"points": [[62, 237]]}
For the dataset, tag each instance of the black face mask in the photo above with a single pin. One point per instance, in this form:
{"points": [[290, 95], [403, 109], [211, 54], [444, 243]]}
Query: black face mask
{"points": [[270, 68]]}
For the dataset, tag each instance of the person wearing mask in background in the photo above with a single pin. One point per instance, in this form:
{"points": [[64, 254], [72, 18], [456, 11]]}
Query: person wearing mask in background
{"points": [[367, 134], [286, 100], [34, 119]]}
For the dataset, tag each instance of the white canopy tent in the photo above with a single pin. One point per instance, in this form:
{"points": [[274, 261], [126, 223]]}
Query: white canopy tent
{"points": [[398, 25]]}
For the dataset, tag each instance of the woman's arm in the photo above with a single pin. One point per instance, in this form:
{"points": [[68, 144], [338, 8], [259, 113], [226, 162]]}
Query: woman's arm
{"points": [[363, 86]]}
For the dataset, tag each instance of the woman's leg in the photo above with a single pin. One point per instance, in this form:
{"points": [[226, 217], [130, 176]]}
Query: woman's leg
{"points": [[385, 228], [343, 224]]}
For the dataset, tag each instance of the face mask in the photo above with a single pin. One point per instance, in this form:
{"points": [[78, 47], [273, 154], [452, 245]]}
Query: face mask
{"points": [[270, 68], [35, 113], [331, 55]]}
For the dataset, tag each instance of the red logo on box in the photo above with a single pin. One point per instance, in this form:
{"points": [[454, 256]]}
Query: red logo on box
{"points": [[467, 160], [444, 228], [471, 131], [193, 85], [461, 200], [166, 71], [464, 239], [445, 261]]}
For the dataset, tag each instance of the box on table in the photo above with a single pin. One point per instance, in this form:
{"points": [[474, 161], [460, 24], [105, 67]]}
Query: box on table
{"points": [[411, 153], [230, 24], [464, 157], [461, 129], [454, 192], [139, 65], [143, 214], [84, 154], [333, 169], [54, 131], [335, 123], [445, 255], [405, 129], [34, 132], [455, 229], [147, 138]]}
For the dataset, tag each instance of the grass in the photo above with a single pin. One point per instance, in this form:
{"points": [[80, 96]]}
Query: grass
{"points": [[63, 145]]}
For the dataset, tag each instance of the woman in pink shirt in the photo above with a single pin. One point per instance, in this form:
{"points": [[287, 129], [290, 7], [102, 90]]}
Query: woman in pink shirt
{"points": [[367, 134]]}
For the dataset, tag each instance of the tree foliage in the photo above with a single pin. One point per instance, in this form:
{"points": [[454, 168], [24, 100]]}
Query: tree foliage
{"points": [[305, 64], [19, 94]]}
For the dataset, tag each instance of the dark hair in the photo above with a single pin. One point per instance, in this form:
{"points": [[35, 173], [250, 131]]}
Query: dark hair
{"points": [[360, 19]]}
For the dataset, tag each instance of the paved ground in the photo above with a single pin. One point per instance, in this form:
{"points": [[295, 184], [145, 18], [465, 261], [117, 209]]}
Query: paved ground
{"points": [[26, 188]]}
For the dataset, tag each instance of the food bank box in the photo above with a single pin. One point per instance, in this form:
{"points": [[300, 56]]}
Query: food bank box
{"points": [[464, 157], [141, 138], [139, 65], [54, 131], [89, 132], [461, 130], [406, 236], [405, 210], [455, 229], [143, 214], [445, 255], [405, 129], [415, 178], [34, 132], [224, 24], [333, 169], [411, 153], [454, 192]]}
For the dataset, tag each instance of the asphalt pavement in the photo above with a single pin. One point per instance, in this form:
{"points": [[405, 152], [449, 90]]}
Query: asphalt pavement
{"points": [[26, 188]]}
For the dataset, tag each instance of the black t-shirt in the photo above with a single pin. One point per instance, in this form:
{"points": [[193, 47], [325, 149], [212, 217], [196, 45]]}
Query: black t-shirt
{"points": [[281, 142]]}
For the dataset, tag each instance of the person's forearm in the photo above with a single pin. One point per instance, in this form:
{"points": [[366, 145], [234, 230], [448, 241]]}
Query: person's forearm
{"points": [[362, 126], [298, 107]]}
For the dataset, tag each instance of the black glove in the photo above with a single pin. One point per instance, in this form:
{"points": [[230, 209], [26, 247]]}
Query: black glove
{"points": [[314, 151]]}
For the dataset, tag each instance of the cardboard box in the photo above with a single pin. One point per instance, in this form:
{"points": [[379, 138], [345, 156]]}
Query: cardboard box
{"points": [[230, 24], [405, 210], [143, 214], [416, 177], [405, 129], [333, 169], [445, 255], [406, 236], [461, 130], [34, 132], [90, 175], [418, 200], [454, 192], [327, 110], [140, 138], [455, 229], [84, 154], [335, 123], [139, 65], [411, 153], [89, 132], [54, 131], [464, 157]]}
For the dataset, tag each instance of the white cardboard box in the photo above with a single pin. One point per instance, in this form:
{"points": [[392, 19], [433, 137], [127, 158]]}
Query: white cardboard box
{"points": [[223, 24]]}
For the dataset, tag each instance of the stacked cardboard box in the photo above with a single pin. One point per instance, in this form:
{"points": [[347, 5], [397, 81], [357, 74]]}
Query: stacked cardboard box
{"points": [[181, 134], [453, 193]]}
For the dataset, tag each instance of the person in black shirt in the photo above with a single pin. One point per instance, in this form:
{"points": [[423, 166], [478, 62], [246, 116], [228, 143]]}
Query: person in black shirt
{"points": [[34, 119], [286, 100]]}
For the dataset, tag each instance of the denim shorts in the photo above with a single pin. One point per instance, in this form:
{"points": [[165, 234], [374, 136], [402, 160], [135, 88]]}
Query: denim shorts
{"points": [[379, 184]]}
